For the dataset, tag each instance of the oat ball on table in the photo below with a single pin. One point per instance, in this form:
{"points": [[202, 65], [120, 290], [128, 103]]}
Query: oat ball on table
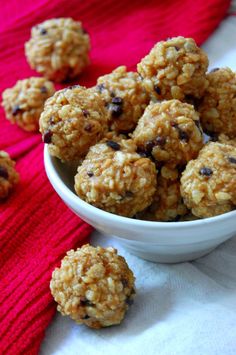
{"points": [[58, 48], [94, 286], [115, 178], [8, 175], [218, 108], [170, 131], [125, 98], [208, 184], [175, 69], [167, 204], [24, 102], [73, 119]]}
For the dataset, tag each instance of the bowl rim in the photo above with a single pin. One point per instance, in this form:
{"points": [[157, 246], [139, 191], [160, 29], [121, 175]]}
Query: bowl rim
{"points": [[69, 195]]}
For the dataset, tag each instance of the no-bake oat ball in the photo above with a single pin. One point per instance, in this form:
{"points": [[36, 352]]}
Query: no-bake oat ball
{"points": [[125, 98], [167, 204], [174, 69], [58, 48], [115, 178], [8, 175], [170, 131], [73, 119], [23, 103], [218, 108], [208, 183], [94, 286]]}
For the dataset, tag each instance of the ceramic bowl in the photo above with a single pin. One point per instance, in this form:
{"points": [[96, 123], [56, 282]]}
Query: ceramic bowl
{"points": [[165, 242]]}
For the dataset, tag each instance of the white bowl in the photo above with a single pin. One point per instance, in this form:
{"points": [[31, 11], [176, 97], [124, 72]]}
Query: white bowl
{"points": [[165, 242]]}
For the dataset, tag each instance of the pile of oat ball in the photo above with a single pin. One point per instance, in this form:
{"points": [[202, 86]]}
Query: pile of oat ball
{"points": [[138, 141], [137, 137]]}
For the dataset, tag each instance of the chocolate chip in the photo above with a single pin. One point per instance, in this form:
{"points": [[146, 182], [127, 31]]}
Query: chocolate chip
{"points": [[16, 110], [150, 145], [116, 110], [177, 48], [100, 87], [214, 69], [129, 301], [3, 172], [86, 317], [157, 89], [205, 171], [90, 173], [85, 302], [85, 113], [43, 89], [88, 127], [47, 137], [129, 194], [142, 153], [160, 141], [124, 282], [232, 160], [117, 100], [43, 31], [183, 136], [113, 145], [177, 218]]}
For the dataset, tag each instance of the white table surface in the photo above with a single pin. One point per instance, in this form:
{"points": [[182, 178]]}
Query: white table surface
{"points": [[185, 309]]}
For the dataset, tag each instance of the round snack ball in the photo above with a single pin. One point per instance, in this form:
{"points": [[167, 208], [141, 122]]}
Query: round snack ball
{"points": [[58, 48], [115, 178], [208, 183], [167, 204], [8, 175], [170, 131], [125, 98], [218, 107], [23, 103], [73, 119], [174, 69], [94, 286]]}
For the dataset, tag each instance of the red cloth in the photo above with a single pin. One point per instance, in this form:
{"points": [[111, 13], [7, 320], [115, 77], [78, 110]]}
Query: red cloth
{"points": [[36, 227]]}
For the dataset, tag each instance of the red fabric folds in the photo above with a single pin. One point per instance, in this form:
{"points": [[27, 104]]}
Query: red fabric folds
{"points": [[36, 228]]}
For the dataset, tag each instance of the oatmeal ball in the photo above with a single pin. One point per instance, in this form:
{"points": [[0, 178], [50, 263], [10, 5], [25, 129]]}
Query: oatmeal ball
{"points": [[167, 204], [73, 119], [23, 103], [58, 48], [218, 108], [175, 69], [170, 131], [125, 98], [208, 183], [94, 286], [115, 178], [8, 175]]}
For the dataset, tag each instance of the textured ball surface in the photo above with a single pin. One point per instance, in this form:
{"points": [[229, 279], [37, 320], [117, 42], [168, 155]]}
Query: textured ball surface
{"points": [[175, 69], [170, 131], [24, 102], [8, 175], [208, 183], [115, 178], [125, 98], [94, 286], [58, 48], [73, 119]]}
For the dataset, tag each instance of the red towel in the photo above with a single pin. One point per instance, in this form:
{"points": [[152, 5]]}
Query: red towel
{"points": [[36, 227]]}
